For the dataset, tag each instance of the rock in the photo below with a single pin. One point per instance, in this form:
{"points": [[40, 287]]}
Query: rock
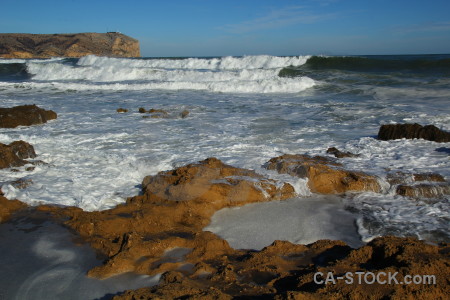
{"points": [[407, 178], [175, 207], [22, 183], [142, 110], [122, 110], [386, 255], [211, 180], [413, 131], [424, 190], [324, 176], [184, 114], [8, 207], [340, 154], [13, 155], [24, 115], [435, 185], [21, 45], [428, 177], [287, 271], [22, 149], [158, 113]]}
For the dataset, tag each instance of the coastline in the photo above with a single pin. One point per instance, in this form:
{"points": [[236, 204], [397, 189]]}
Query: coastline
{"points": [[109, 144], [160, 233]]}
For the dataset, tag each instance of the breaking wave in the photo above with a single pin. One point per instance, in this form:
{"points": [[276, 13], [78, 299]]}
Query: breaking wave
{"points": [[248, 74]]}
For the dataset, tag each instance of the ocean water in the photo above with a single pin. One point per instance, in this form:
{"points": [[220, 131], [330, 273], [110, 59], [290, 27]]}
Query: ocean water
{"points": [[244, 111]]}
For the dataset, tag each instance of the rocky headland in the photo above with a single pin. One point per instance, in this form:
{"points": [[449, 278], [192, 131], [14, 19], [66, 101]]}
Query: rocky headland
{"points": [[23, 45]]}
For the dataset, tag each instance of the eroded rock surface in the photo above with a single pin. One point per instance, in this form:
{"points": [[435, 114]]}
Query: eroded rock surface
{"points": [[22, 45], [287, 271], [24, 115], [419, 185], [324, 175], [413, 131], [175, 207]]}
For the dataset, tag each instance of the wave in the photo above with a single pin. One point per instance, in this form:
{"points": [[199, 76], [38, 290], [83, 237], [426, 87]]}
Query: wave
{"points": [[274, 85], [13, 71], [248, 74], [220, 63], [402, 63]]}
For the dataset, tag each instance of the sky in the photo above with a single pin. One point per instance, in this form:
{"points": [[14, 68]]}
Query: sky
{"points": [[246, 27]]}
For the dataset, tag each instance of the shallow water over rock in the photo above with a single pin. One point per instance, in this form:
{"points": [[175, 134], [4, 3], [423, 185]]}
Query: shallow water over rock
{"points": [[42, 260]]}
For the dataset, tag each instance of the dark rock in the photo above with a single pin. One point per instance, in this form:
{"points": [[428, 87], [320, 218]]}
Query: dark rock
{"points": [[424, 190], [429, 177], [24, 115], [13, 155], [22, 183], [142, 110], [184, 114], [339, 154], [407, 178], [22, 149], [413, 131]]}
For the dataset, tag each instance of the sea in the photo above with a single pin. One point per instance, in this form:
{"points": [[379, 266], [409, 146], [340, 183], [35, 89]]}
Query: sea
{"points": [[244, 111]]}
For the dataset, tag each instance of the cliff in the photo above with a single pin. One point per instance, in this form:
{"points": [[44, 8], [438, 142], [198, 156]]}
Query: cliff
{"points": [[23, 45]]}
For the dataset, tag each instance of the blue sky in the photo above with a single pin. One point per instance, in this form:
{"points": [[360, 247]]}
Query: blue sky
{"points": [[246, 27]]}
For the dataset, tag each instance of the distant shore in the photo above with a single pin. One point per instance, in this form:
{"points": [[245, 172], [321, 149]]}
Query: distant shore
{"points": [[23, 45]]}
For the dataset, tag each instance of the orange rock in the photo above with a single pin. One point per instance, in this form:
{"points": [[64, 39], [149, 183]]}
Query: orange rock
{"points": [[7, 207], [172, 212], [22, 45], [324, 176]]}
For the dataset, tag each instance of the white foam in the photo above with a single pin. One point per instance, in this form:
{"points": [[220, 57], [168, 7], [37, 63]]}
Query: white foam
{"points": [[250, 74], [224, 63]]}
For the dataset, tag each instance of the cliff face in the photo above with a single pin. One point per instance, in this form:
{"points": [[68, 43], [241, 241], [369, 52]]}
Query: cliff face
{"points": [[22, 45]]}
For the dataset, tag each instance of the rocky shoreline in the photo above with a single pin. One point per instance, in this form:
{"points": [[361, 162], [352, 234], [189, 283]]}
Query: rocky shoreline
{"points": [[161, 232]]}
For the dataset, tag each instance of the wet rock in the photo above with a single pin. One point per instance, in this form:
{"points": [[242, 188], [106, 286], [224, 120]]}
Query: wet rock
{"points": [[175, 207], [22, 149], [24, 115], [386, 255], [213, 181], [428, 177], [287, 271], [142, 110], [161, 232], [158, 113], [184, 114], [122, 110], [324, 175], [13, 155], [413, 131], [398, 177], [339, 154], [8, 207], [22, 183], [424, 190]]}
